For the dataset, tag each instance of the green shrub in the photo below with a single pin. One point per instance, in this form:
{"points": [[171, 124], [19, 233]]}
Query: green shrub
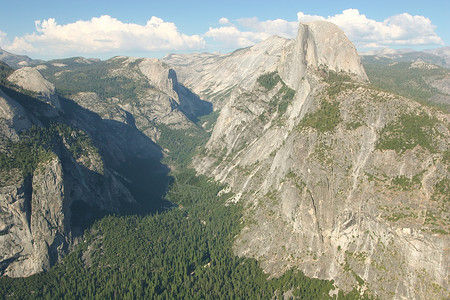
{"points": [[269, 80], [408, 132], [326, 118]]}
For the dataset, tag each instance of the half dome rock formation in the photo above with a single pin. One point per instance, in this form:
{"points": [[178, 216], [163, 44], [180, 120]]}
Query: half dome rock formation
{"points": [[319, 44], [337, 178]]}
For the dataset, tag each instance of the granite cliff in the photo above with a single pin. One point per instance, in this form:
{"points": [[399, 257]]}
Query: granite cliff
{"points": [[339, 179]]}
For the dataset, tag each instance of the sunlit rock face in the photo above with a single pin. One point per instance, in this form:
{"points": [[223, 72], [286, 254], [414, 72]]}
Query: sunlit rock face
{"points": [[322, 191]]}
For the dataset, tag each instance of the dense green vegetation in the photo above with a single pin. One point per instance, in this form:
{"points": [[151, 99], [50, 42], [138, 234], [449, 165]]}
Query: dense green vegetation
{"points": [[408, 131], [404, 183], [337, 82], [409, 82], [181, 143], [37, 144], [269, 80], [208, 121], [324, 119], [183, 253], [441, 191], [5, 71]]}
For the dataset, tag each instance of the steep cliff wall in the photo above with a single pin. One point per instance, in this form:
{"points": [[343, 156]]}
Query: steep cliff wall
{"points": [[338, 179]]}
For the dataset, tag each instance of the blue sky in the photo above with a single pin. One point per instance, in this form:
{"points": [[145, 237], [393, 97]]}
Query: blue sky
{"points": [[98, 28]]}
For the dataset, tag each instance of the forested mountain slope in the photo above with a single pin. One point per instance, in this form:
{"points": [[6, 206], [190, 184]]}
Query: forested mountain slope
{"points": [[63, 166], [414, 79]]}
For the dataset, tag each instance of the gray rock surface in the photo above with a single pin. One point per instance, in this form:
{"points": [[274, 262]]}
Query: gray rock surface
{"points": [[319, 44], [30, 79], [214, 76], [35, 232], [328, 201], [13, 118]]}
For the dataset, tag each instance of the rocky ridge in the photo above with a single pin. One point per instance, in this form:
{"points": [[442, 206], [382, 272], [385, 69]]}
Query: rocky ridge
{"points": [[146, 92], [214, 76]]}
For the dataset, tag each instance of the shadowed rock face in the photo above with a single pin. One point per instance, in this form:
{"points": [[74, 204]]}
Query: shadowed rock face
{"points": [[100, 166], [322, 190]]}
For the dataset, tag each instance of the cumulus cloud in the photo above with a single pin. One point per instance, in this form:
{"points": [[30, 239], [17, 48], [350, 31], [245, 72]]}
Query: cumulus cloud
{"points": [[271, 27], [231, 37], [301, 17], [224, 21], [403, 29], [104, 34]]}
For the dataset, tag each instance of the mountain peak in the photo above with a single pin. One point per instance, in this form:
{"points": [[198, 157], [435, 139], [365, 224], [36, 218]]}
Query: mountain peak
{"points": [[320, 44]]}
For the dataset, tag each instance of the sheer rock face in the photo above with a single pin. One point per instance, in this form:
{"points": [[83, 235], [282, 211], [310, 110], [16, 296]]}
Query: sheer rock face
{"points": [[319, 44], [320, 194], [35, 226], [13, 118], [36, 211], [44, 213], [214, 76]]}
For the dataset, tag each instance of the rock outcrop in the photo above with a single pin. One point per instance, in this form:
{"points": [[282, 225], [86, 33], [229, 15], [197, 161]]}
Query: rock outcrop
{"points": [[145, 95], [13, 118], [30, 79]]}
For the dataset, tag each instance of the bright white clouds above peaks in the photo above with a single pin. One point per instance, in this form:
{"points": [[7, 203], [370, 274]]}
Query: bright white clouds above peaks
{"points": [[403, 29], [105, 35]]}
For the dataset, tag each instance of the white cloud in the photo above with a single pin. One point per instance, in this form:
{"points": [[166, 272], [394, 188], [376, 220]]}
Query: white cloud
{"points": [[104, 35], [301, 17], [231, 37], [271, 27], [403, 29], [224, 21], [2, 36]]}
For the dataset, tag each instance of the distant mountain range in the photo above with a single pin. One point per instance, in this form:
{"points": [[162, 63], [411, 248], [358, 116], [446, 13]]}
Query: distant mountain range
{"points": [[438, 56], [17, 61]]}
